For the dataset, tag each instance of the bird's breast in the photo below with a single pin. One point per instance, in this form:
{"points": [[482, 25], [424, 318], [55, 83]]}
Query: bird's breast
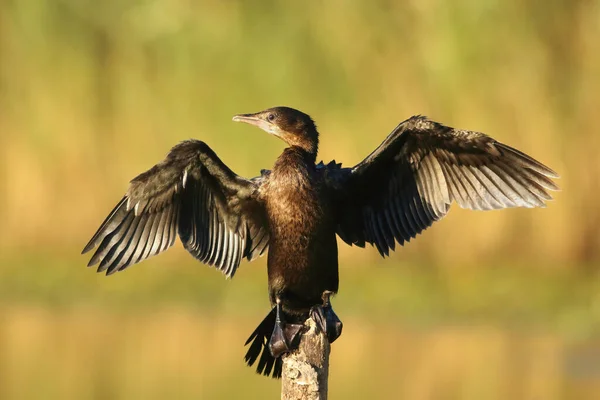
{"points": [[293, 204], [302, 247]]}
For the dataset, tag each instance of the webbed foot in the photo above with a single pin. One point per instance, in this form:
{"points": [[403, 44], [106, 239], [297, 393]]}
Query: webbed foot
{"points": [[326, 318], [284, 335]]}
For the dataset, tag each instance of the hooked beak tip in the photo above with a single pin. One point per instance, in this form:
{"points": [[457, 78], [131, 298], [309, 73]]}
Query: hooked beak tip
{"points": [[251, 119]]}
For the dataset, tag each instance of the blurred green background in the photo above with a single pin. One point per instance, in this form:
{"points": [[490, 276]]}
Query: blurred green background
{"points": [[491, 305]]}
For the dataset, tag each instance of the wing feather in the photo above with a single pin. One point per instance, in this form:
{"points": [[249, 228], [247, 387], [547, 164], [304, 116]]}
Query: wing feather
{"points": [[190, 193], [419, 170]]}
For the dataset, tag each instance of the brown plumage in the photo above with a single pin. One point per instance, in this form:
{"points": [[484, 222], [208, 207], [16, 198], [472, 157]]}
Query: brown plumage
{"points": [[296, 209]]}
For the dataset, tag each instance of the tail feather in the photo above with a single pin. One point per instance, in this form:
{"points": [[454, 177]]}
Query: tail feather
{"points": [[259, 346]]}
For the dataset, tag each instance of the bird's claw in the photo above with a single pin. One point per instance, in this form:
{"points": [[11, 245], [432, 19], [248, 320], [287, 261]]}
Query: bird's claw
{"points": [[326, 319], [284, 336]]}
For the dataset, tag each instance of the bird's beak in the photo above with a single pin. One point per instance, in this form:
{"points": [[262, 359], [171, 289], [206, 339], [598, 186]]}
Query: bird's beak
{"points": [[256, 120], [252, 119]]}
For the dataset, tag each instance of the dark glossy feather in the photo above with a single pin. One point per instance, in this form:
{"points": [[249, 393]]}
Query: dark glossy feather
{"points": [[190, 193], [411, 179], [259, 349]]}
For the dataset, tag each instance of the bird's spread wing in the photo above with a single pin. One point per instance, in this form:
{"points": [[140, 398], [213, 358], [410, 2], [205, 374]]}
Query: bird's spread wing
{"points": [[411, 179], [191, 193]]}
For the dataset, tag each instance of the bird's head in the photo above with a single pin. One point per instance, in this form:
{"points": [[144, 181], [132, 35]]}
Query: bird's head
{"points": [[292, 126]]}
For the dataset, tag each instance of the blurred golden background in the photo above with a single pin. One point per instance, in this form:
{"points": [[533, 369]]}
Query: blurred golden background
{"points": [[497, 305]]}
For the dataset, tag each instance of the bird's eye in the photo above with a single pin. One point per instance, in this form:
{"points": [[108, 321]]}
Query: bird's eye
{"points": [[271, 117]]}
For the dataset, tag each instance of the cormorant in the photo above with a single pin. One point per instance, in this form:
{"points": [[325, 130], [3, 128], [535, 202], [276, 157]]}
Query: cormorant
{"points": [[297, 209]]}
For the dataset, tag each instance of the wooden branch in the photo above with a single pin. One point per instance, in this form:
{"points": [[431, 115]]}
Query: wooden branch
{"points": [[306, 370]]}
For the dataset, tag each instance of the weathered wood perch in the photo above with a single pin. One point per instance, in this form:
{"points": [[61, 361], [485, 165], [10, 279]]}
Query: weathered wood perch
{"points": [[306, 370]]}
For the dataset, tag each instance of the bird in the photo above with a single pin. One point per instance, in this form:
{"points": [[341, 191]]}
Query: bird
{"points": [[295, 210]]}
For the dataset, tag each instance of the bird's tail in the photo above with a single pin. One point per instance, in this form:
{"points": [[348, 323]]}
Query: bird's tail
{"points": [[259, 346]]}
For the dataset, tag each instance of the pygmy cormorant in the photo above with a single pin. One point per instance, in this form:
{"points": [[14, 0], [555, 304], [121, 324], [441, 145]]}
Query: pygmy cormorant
{"points": [[297, 208]]}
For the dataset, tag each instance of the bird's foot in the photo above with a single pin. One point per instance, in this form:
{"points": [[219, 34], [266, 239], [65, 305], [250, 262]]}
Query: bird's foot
{"points": [[284, 335], [326, 319]]}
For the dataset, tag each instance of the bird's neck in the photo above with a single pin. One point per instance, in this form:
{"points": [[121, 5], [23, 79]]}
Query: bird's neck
{"points": [[293, 161], [306, 145], [306, 153]]}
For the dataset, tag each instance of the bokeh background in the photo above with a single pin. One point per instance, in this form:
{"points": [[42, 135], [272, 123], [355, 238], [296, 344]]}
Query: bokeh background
{"points": [[497, 305]]}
